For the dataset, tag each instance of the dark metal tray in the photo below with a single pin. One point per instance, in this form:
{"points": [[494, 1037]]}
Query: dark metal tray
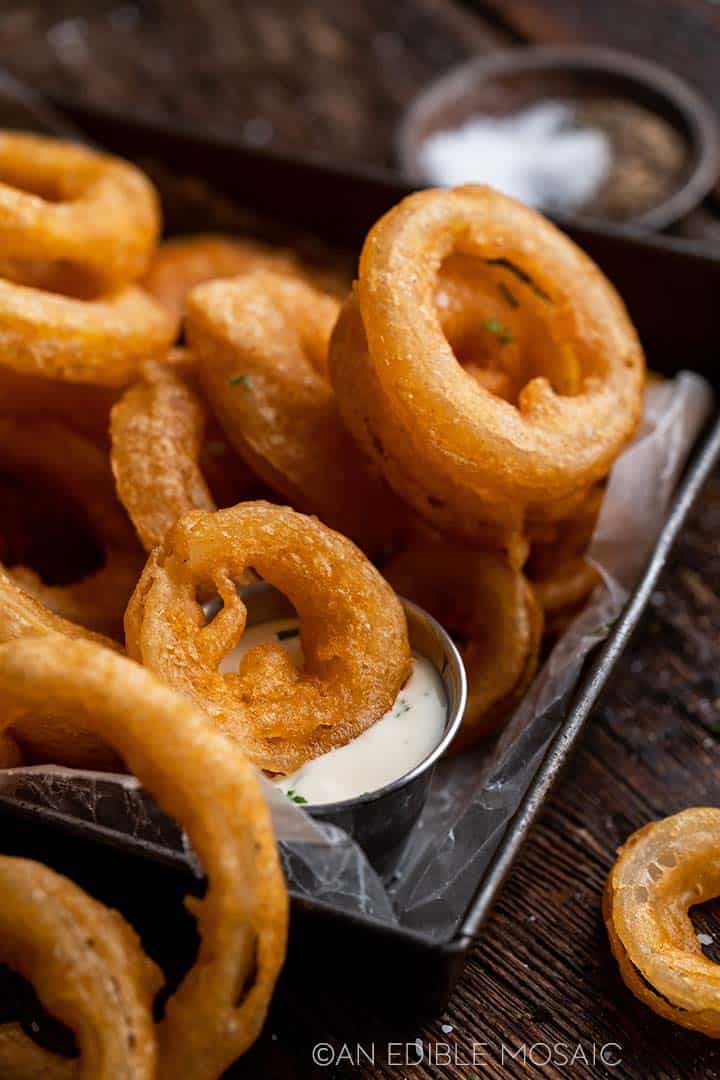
{"points": [[671, 290]]}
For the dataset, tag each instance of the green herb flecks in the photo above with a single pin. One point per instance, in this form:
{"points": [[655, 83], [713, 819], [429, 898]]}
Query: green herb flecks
{"points": [[503, 333], [403, 706], [240, 380], [293, 797], [283, 635]]}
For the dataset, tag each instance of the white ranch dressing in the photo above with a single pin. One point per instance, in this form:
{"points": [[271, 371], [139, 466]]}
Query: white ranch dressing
{"points": [[387, 750]]}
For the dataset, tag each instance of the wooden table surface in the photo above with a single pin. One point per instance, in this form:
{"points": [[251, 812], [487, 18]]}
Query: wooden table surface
{"points": [[334, 78]]}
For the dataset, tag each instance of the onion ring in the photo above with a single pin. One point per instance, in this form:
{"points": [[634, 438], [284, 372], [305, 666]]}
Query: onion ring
{"points": [[44, 737], [473, 465], [167, 455], [78, 469], [157, 431], [661, 871], [101, 341], [260, 343], [207, 785], [62, 202], [495, 329], [352, 627], [491, 610], [180, 264], [89, 971], [560, 574]]}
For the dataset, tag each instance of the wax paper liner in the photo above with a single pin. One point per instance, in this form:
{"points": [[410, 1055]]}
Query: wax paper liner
{"points": [[474, 795]]}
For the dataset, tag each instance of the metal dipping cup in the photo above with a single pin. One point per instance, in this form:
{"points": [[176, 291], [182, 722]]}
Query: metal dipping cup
{"points": [[381, 821]]}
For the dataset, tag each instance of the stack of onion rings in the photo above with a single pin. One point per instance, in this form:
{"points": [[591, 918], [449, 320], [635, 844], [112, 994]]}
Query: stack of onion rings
{"points": [[352, 627], [661, 871], [561, 575], [77, 228], [472, 464], [207, 785], [260, 343], [64, 203]]}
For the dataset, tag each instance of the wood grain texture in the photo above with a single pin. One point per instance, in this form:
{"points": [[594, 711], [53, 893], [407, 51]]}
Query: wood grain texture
{"points": [[330, 78], [333, 78]]}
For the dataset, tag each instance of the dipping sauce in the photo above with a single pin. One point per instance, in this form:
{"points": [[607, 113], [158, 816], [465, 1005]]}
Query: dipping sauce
{"points": [[389, 749]]}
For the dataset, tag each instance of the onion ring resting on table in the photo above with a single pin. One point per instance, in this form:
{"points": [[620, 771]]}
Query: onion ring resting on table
{"points": [[470, 463], [661, 871], [260, 343], [161, 452], [79, 471], [64, 203], [491, 610], [89, 972], [204, 781], [352, 628]]}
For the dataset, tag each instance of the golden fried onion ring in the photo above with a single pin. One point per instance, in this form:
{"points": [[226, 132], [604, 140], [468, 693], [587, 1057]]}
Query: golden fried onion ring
{"points": [[183, 262], [103, 341], [204, 781], [561, 575], [464, 458], [45, 737], [63, 202], [78, 469], [89, 972], [260, 343], [352, 627], [490, 609], [661, 871], [157, 432]]}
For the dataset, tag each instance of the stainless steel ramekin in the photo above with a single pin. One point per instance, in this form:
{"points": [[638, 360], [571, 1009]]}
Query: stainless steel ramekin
{"points": [[380, 821]]}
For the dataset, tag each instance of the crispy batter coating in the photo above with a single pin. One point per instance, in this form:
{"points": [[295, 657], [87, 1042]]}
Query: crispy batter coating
{"points": [[204, 781], [661, 871], [89, 971], [490, 609], [260, 344], [102, 341], [157, 431], [470, 463], [64, 203], [183, 262], [352, 627], [168, 453], [45, 737]]}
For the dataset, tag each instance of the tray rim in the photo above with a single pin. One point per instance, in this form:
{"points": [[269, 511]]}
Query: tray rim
{"points": [[598, 667]]}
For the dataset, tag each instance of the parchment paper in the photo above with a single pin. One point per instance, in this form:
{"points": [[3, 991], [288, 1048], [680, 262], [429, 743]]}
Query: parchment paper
{"points": [[473, 796]]}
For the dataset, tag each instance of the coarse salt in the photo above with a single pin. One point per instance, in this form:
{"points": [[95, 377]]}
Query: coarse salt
{"points": [[536, 155]]}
